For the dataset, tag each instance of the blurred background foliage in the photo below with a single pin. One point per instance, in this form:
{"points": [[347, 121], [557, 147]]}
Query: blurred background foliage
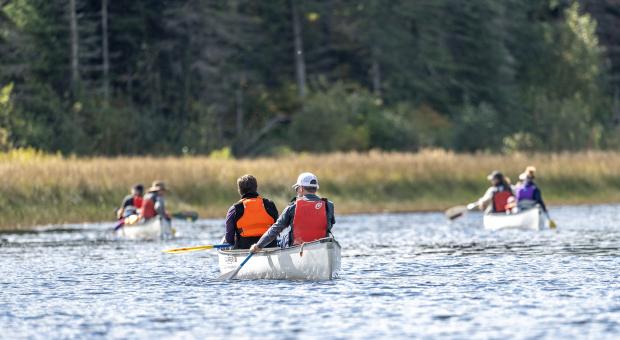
{"points": [[110, 77]]}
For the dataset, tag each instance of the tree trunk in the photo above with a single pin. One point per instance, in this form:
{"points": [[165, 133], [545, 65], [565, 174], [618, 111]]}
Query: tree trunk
{"points": [[239, 104], [375, 73], [75, 65], [106, 52], [300, 64]]}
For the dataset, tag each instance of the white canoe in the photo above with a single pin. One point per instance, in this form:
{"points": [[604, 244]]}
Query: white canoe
{"points": [[153, 229], [531, 219], [314, 261]]}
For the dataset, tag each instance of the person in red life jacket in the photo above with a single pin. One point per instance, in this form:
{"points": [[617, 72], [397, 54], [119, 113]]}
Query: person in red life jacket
{"points": [[248, 219], [154, 203], [528, 193], [310, 217], [496, 198], [131, 203]]}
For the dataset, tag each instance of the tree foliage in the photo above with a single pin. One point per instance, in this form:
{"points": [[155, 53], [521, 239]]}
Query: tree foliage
{"points": [[194, 76]]}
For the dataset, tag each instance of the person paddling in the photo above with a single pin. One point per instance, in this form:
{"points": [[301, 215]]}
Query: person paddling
{"points": [[496, 198], [248, 219], [528, 193], [309, 216], [154, 203], [132, 202]]}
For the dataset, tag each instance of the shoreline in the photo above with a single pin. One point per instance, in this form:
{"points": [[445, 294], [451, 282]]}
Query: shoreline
{"points": [[44, 189]]}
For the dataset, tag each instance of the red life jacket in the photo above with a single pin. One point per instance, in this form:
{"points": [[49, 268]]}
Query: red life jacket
{"points": [[137, 201], [148, 209], [500, 201], [255, 220], [310, 221]]}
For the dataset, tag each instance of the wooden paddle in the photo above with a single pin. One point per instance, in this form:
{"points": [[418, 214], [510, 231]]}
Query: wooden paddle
{"points": [[197, 248], [459, 211], [552, 224], [231, 275], [186, 215]]}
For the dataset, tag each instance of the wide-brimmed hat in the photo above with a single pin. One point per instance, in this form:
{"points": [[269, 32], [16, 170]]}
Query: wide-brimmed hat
{"points": [[495, 174], [157, 186], [529, 173]]}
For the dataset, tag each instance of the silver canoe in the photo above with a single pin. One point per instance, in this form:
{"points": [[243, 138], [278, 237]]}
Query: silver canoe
{"points": [[531, 219], [313, 261], [153, 229]]}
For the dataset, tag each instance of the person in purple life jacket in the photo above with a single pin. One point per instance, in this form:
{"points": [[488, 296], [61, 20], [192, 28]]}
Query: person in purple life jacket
{"points": [[528, 193]]}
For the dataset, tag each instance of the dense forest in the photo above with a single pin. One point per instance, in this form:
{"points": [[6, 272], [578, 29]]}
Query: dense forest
{"points": [[109, 77]]}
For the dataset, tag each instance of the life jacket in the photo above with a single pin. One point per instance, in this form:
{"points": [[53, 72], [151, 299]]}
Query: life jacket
{"points": [[255, 219], [137, 201], [500, 201], [310, 221], [526, 192], [148, 208]]}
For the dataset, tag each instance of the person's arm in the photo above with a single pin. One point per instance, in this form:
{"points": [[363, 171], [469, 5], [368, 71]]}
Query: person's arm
{"points": [[282, 223], [331, 215], [487, 199], [538, 199], [126, 202], [271, 208], [160, 208], [231, 225]]}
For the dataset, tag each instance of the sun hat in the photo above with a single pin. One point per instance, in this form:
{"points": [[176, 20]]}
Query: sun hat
{"points": [[307, 179], [530, 172], [157, 186], [494, 174]]}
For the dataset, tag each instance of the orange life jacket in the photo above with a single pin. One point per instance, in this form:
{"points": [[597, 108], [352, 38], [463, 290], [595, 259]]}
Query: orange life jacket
{"points": [[500, 201], [137, 201], [148, 209], [255, 220], [310, 221]]}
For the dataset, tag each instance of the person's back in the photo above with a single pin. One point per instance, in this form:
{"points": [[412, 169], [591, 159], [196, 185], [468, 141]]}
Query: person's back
{"points": [[495, 199], [153, 203], [528, 193], [248, 219], [310, 217]]}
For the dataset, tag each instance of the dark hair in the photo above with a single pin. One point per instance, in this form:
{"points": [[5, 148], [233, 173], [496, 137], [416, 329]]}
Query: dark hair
{"points": [[311, 190], [139, 188], [247, 184]]}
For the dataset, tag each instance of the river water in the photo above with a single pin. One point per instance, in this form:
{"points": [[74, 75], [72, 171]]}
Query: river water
{"points": [[403, 275]]}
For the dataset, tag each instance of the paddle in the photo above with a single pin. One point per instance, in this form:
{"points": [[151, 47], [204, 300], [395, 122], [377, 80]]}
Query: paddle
{"points": [[459, 211], [231, 275], [552, 224], [186, 215], [197, 248]]}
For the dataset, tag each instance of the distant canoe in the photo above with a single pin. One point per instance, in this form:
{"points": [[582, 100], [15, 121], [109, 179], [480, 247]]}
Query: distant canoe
{"points": [[530, 219], [153, 229], [313, 261]]}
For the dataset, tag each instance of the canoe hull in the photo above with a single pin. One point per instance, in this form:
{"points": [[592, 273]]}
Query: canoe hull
{"points": [[530, 219], [154, 229], [314, 261]]}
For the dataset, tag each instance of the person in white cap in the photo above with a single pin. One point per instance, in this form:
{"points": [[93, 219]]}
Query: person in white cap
{"points": [[309, 216]]}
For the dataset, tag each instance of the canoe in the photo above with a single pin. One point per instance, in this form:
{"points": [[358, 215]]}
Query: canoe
{"points": [[153, 229], [312, 261], [530, 219]]}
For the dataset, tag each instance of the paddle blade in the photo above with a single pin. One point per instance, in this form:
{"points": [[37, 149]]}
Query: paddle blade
{"points": [[456, 212], [197, 248], [232, 274], [552, 224], [186, 215]]}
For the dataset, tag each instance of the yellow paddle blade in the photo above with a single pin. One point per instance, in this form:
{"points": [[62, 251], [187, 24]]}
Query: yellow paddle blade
{"points": [[552, 224], [187, 249]]}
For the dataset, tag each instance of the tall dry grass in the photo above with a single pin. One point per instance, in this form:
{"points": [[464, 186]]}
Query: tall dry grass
{"points": [[39, 189]]}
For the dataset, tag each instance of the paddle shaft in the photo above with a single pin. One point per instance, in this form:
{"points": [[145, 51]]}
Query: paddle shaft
{"points": [[197, 248]]}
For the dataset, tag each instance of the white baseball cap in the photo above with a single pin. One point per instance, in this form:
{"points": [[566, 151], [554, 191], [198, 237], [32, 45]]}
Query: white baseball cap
{"points": [[307, 179]]}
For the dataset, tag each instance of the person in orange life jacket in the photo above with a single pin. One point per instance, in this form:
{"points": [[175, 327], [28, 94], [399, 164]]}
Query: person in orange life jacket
{"points": [[528, 193], [134, 200], [496, 198], [309, 216], [248, 219], [154, 203]]}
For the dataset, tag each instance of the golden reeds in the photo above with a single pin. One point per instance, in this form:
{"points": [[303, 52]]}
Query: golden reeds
{"points": [[37, 188]]}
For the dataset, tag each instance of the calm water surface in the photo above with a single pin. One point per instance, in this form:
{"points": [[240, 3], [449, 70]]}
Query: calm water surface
{"points": [[403, 275]]}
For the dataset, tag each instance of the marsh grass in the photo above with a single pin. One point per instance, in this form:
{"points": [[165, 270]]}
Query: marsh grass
{"points": [[39, 189]]}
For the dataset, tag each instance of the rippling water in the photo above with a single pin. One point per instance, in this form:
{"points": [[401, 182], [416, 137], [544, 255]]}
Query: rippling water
{"points": [[403, 275]]}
